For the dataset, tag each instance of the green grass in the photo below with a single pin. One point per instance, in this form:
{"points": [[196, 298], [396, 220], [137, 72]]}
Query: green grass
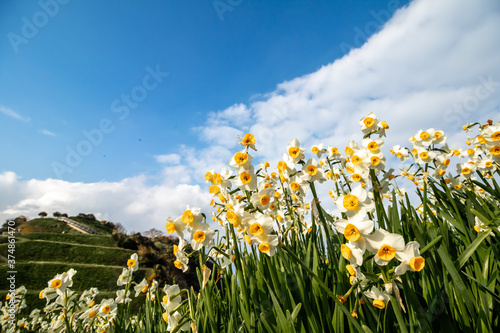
{"points": [[94, 224], [46, 225], [71, 253], [101, 240]]}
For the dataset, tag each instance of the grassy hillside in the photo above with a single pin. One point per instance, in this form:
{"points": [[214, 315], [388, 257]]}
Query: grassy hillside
{"points": [[47, 246], [102, 240], [92, 223], [46, 225]]}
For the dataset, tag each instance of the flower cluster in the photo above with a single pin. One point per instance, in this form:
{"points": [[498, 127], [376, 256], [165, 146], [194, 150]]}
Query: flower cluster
{"points": [[67, 310], [265, 206], [264, 213]]}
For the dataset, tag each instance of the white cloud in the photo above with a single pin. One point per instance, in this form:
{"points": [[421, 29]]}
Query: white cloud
{"points": [[434, 64], [168, 159], [11, 113], [47, 132], [131, 201], [222, 128]]}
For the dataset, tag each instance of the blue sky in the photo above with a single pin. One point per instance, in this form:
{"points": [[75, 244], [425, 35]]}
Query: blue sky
{"points": [[277, 69], [89, 53]]}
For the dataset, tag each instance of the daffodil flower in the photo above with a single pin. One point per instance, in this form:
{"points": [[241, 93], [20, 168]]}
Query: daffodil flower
{"points": [[318, 150], [260, 231], [333, 153], [62, 281], [142, 287], [48, 293], [248, 141], [384, 245], [439, 138], [410, 259], [455, 183], [90, 314], [479, 226], [380, 297], [123, 279], [298, 185], [351, 148], [121, 297], [369, 123], [181, 259], [354, 229], [466, 170], [133, 262], [241, 161], [491, 135], [221, 179], [107, 307], [262, 224], [373, 145], [171, 299], [201, 235], [353, 251], [262, 199], [439, 172], [191, 215], [485, 165], [377, 161], [423, 156], [312, 171], [246, 180], [357, 203], [266, 243], [294, 151], [424, 138], [174, 319], [176, 225], [358, 173], [442, 160], [400, 152]]}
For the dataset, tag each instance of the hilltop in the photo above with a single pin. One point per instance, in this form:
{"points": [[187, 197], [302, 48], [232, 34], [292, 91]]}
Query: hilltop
{"points": [[48, 246]]}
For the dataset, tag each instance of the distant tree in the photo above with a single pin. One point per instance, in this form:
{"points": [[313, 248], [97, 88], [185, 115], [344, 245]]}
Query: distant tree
{"points": [[42, 214], [120, 228], [56, 214], [153, 233], [64, 215], [17, 222], [5, 226]]}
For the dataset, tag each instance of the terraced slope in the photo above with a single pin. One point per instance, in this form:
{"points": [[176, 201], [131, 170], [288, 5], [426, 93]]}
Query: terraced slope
{"points": [[42, 255]]}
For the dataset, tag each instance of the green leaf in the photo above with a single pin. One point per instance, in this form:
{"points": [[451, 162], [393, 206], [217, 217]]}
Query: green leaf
{"points": [[483, 287], [463, 293], [399, 315], [471, 248], [296, 311], [431, 244]]}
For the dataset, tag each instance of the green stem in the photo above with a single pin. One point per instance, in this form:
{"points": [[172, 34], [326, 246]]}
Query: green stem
{"points": [[323, 286]]}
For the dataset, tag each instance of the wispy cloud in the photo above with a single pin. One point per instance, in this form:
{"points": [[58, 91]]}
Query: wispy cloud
{"points": [[419, 71], [168, 159], [11, 113], [47, 132]]}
